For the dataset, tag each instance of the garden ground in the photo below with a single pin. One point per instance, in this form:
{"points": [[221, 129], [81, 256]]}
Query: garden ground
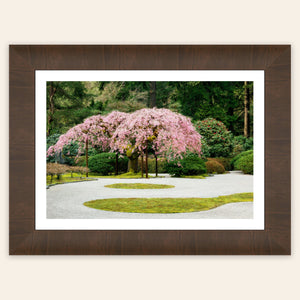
{"points": [[65, 201]]}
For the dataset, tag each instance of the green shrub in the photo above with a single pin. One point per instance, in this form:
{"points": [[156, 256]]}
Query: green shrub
{"points": [[52, 140], [69, 152], [245, 163], [191, 164], [104, 163], [122, 163], [205, 148], [93, 151], [67, 156], [213, 166], [100, 164], [241, 144], [237, 157], [224, 161], [216, 139], [80, 161]]}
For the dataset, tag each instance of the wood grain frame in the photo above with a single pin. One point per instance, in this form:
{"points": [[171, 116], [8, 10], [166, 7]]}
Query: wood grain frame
{"points": [[275, 60]]}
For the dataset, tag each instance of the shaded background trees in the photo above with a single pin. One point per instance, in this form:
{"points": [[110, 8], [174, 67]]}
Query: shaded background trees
{"points": [[69, 103]]}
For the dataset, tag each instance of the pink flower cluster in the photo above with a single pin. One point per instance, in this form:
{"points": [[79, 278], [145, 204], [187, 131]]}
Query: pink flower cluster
{"points": [[169, 134]]}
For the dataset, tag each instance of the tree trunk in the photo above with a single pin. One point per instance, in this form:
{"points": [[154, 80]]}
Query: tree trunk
{"points": [[117, 164], [133, 165], [152, 94], [231, 113], [51, 107], [87, 156], [142, 165], [156, 167], [146, 165], [246, 110]]}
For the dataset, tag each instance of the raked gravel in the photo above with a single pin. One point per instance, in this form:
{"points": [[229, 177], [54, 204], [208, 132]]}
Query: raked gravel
{"points": [[65, 201]]}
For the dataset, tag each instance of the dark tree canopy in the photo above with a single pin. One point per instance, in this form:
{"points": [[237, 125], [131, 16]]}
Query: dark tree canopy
{"points": [[69, 103]]}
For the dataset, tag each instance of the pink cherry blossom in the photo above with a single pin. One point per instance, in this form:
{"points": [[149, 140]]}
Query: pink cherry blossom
{"points": [[168, 133], [96, 130]]}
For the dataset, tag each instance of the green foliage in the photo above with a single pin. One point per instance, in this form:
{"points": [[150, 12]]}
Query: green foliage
{"points": [[241, 143], [123, 164], [224, 161], [205, 148], [69, 103], [213, 166], [237, 157], [245, 163], [80, 161], [68, 154], [217, 139], [52, 140], [161, 165], [104, 163], [219, 100], [191, 164], [101, 164], [126, 96]]}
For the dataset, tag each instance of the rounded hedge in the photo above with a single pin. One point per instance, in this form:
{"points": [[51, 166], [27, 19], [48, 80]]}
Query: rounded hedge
{"points": [[237, 157], [216, 139], [213, 166], [188, 165], [104, 163], [245, 163], [100, 164], [224, 161]]}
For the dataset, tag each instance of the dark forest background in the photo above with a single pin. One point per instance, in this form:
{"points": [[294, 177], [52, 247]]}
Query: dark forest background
{"points": [[69, 103]]}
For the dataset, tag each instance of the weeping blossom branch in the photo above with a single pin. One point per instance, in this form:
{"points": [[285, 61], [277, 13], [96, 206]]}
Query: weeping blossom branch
{"points": [[169, 134]]}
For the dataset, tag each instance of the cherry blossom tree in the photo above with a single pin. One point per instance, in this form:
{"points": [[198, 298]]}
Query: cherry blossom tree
{"points": [[161, 131], [95, 131], [165, 132], [112, 121]]}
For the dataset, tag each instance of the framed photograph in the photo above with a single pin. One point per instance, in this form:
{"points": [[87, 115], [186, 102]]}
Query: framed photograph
{"points": [[153, 150]]}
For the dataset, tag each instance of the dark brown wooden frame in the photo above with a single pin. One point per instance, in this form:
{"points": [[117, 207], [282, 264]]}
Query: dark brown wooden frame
{"points": [[275, 60]]}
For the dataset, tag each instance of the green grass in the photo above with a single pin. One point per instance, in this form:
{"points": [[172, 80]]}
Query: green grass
{"points": [[166, 205], [77, 177], [128, 175], [139, 186], [203, 176], [65, 178]]}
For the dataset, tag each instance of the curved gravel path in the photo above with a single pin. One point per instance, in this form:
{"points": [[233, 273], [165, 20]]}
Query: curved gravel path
{"points": [[65, 201]]}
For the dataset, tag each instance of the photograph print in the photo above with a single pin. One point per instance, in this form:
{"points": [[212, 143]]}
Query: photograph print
{"points": [[150, 150]]}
